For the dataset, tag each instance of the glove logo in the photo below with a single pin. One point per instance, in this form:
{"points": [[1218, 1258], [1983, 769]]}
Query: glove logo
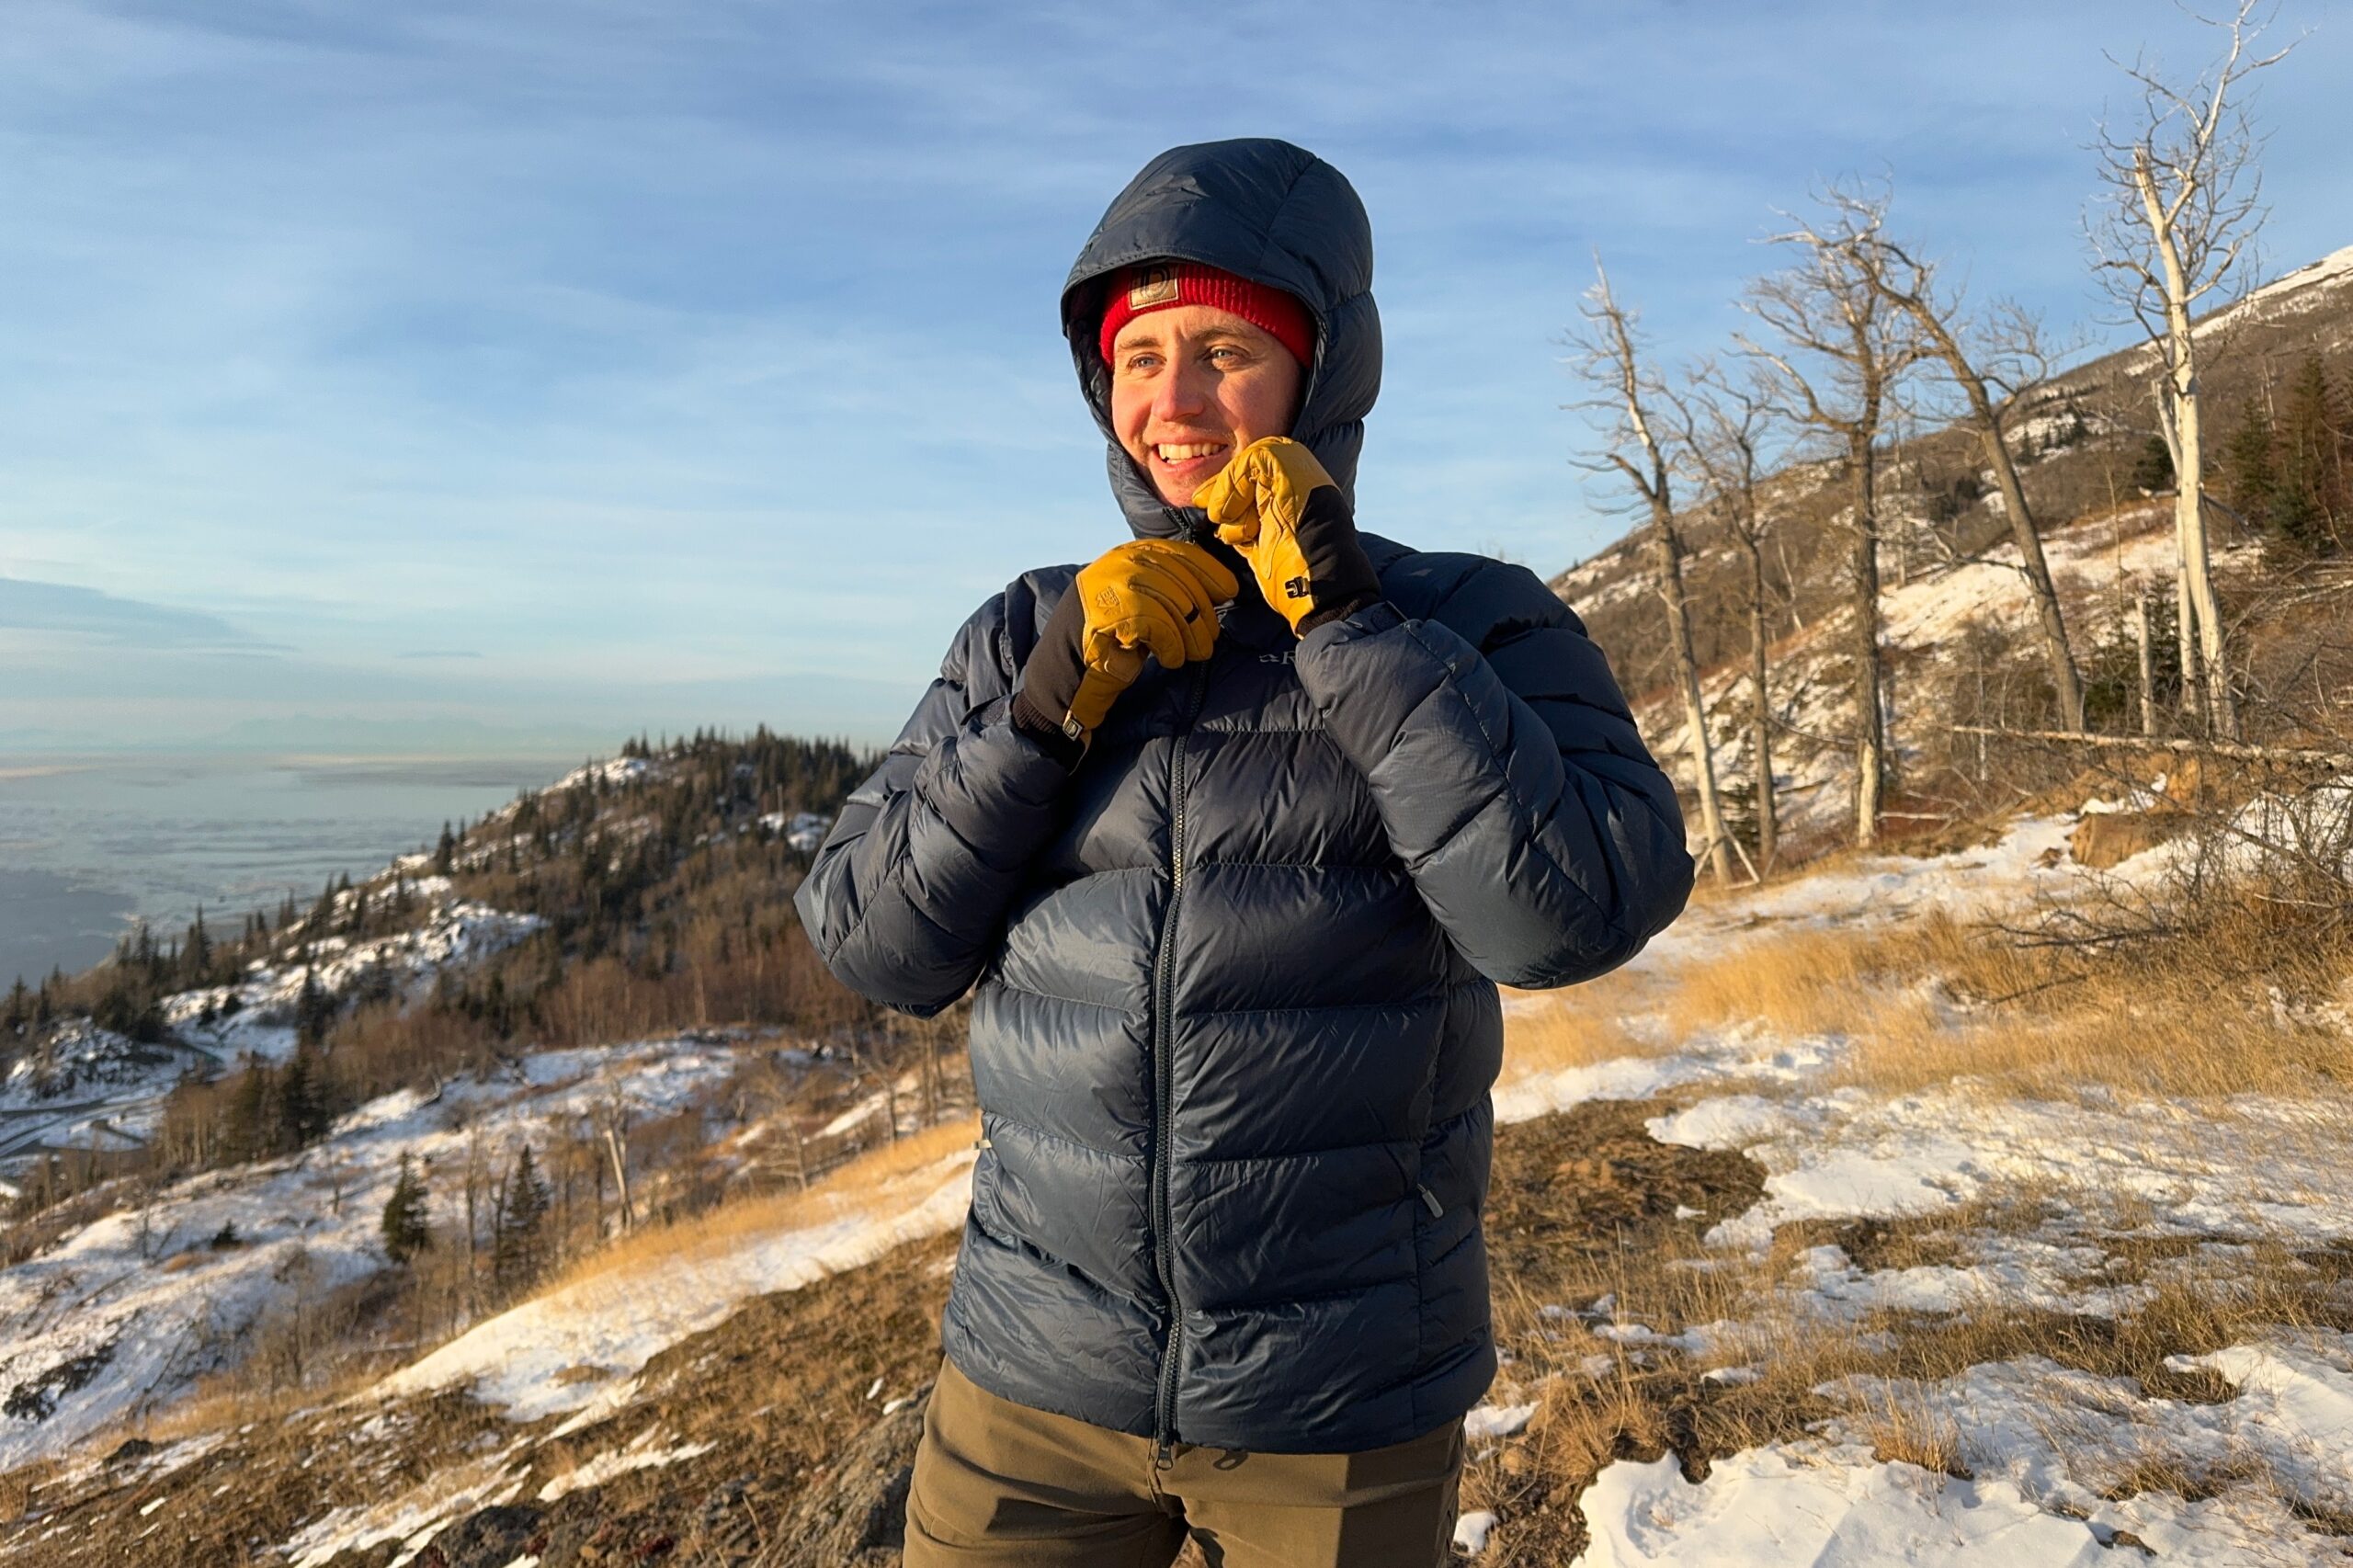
{"points": [[1107, 599], [1296, 587]]}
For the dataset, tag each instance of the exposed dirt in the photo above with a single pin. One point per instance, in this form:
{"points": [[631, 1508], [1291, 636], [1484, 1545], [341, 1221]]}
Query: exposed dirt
{"points": [[1582, 1204]]}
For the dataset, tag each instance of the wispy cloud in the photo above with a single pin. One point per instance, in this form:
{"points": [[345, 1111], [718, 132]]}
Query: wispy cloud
{"points": [[75, 615]]}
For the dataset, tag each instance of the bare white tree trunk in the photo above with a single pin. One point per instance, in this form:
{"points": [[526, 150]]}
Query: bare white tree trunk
{"points": [[1719, 428], [1871, 697], [1849, 353], [1611, 363], [2148, 665], [2181, 393], [2183, 204], [1760, 733]]}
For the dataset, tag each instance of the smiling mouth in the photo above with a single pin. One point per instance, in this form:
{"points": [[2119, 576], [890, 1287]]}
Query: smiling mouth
{"points": [[1175, 452]]}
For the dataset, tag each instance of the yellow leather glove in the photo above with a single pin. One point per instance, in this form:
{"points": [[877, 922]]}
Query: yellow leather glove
{"points": [[1276, 505], [1156, 597]]}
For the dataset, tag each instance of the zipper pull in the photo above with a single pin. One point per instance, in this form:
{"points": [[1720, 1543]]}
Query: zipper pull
{"points": [[1430, 1202], [1164, 1455]]}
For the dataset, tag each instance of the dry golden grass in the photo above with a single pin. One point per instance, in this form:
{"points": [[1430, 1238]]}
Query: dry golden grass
{"points": [[228, 1400], [858, 1188], [1936, 999], [1577, 1030]]}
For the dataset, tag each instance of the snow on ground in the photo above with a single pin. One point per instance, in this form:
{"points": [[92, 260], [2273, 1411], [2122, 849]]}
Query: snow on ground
{"points": [[257, 1014], [2069, 1438], [2095, 565], [640, 1453], [2058, 1466], [127, 1312], [88, 1087], [415, 1516], [565, 1350], [2292, 293], [2027, 866], [1833, 1505], [2062, 1464], [91, 1087], [2042, 1204], [2258, 1167]]}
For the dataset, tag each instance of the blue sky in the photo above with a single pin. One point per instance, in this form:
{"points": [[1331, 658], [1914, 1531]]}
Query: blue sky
{"points": [[500, 374]]}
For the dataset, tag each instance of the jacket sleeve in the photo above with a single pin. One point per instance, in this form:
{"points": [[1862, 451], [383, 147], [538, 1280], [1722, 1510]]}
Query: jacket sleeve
{"points": [[1509, 777], [909, 892]]}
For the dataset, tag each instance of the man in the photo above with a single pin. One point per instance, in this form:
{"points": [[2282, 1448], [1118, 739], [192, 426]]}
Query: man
{"points": [[1231, 834]]}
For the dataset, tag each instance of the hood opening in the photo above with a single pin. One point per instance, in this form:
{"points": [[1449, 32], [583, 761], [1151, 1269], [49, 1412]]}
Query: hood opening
{"points": [[1262, 210]]}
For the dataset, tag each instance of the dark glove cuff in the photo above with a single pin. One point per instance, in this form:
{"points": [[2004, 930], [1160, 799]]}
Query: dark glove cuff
{"points": [[1046, 729], [1049, 683], [1340, 574]]}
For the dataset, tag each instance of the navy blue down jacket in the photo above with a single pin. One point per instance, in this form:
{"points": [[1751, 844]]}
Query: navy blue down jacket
{"points": [[1234, 1016]]}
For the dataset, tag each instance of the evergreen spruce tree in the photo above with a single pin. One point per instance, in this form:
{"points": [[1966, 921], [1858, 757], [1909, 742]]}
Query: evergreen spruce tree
{"points": [[518, 1248], [313, 1011], [248, 1128], [301, 1106], [196, 953], [2152, 473], [2309, 458], [406, 1228], [445, 853]]}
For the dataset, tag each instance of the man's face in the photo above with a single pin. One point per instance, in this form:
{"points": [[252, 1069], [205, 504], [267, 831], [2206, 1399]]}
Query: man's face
{"points": [[1192, 385]]}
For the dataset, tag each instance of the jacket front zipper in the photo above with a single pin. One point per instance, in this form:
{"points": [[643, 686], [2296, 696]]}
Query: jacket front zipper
{"points": [[1164, 1085]]}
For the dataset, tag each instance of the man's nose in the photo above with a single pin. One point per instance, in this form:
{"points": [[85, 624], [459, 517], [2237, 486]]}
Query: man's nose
{"points": [[1182, 393]]}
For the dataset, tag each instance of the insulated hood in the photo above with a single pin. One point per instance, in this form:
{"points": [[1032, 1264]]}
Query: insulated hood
{"points": [[1268, 211]]}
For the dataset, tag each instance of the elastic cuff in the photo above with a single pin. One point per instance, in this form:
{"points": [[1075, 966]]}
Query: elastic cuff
{"points": [[1033, 722], [1362, 620], [1341, 612]]}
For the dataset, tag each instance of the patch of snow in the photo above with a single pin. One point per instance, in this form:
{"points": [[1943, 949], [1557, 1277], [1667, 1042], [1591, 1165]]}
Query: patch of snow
{"points": [[412, 1516], [2294, 1410], [1471, 1530], [1496, 1421], [1738, 1053], [2259, 1167], [622, 1322], [1831, 1506], [1725, 1121], [641, 1454], [2072, 1442]]}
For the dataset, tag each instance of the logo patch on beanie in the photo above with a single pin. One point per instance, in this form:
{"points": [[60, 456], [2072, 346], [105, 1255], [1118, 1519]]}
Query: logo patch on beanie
{"points": [[1153, 286]]}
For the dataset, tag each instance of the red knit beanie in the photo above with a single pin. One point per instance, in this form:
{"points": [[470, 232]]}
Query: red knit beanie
{"points": [[1157, 285]]}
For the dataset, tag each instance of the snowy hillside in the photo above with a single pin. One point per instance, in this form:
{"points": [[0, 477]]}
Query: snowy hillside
{"points": [[91, 1087], [127, 1314]]}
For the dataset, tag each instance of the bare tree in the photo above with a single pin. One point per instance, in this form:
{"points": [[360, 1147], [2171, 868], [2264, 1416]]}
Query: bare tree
{"points": [[1721, 428], [1610, 361], [2180, 209], [1844, 356], [2003, 353]]}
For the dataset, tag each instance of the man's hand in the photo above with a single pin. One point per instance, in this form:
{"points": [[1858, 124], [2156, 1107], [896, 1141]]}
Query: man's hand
{"points": [[1149, 596], [1275, 503]]}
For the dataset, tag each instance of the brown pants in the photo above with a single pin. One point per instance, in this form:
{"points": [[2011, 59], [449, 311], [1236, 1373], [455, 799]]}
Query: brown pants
{"points": [[1000, 1484]]}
